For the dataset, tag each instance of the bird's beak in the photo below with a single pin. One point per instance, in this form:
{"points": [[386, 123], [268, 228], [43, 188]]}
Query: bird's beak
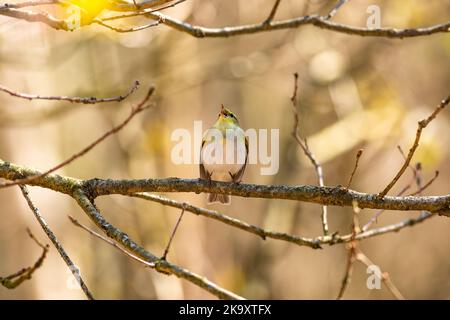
{"points": [[222, 110]]}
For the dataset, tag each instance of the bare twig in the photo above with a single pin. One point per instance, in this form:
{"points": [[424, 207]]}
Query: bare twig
{"points": [[166, 251], [141, 13], [416, 170], [25, 4], [421, 125], [394, 227], [436, 174], [73, 268], [335, 9], [127, 30], [84, 100], [272, 12], [14, 280], [358, 155], [140, 107], [361, 257], [218, 216], [304, 145], [111, 242], [355, 254], [127, 6], [408, 221], [351, 258]]}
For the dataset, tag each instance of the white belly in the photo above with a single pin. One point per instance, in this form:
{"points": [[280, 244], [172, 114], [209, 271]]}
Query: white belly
{"points": [[221, 161]]}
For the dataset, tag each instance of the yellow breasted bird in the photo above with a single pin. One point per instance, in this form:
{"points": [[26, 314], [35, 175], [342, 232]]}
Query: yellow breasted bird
{"points": [[219, 162]]}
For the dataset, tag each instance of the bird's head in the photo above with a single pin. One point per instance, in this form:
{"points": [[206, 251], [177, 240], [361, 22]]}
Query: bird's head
{"points": [[227, 116]]}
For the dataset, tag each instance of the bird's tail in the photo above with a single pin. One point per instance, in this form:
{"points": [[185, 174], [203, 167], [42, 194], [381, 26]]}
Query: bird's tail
{"points": [[220, 198]]}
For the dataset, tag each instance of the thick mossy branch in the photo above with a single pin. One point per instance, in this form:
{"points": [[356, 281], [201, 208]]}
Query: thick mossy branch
{"points": [[336, 196]]}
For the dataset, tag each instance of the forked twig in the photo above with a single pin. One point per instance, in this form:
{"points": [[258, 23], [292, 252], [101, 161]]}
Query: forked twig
{"points": [[421, 125], [14, 280]]}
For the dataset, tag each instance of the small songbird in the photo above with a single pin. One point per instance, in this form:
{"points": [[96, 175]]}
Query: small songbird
{"points": [[224, 153]]}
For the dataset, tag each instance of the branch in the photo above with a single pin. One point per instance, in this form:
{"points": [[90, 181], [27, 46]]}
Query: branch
{"points": [[337, 196], [421, 125], [84, 100], [201, 32], [128, 244], [315, 20], [140, 107], [304, 145], [56, 243], [218, 216], [16, 279]]}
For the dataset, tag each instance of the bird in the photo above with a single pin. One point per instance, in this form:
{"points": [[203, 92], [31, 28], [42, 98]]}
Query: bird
{"points": [[219, 162]]}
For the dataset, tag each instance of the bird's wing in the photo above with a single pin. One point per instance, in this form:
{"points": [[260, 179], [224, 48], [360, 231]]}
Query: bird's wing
{"points": [[203, 173], [237, 177]]}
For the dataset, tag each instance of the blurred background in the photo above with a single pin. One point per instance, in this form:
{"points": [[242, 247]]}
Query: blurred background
{"points": [[354, 92]]}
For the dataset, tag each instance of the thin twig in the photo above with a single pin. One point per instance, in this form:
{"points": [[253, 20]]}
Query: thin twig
{"points": [[134, 111], [73, 268], [25, 4], [416, 170], [146, 4], [83, 100], [272, 12], [361, 257], [14, 280], [356, 254], [127, 30], [304, 146], [111, 242], [141, 13], [421, 125], [351, 258], [379, 212], [436, 174], [358, 155], [166, 251], [335, 9], [218, 216]]}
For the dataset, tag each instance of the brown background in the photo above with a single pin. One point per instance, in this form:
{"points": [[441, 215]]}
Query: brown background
{"points": [[355, 92]]}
